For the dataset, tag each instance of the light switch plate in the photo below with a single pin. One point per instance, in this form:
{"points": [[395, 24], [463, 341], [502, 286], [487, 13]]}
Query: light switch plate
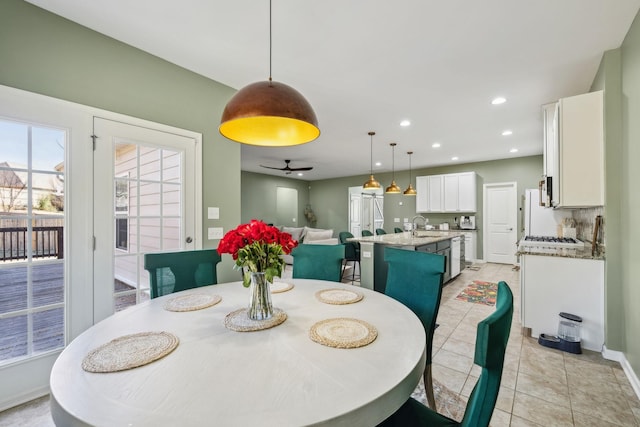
{"points": [[213, 213], [396, 219], [215, 233], [366, 254]]}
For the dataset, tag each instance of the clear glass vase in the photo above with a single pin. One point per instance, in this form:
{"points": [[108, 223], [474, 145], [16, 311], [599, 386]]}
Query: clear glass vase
{"points": [[260, 307]]}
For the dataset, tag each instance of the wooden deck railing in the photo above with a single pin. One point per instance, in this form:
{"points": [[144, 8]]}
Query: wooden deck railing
{"points": [[46, 242]]}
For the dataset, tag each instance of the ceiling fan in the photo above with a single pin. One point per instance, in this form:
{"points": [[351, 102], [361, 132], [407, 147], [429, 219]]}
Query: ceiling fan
{"points": [[288, 169]]}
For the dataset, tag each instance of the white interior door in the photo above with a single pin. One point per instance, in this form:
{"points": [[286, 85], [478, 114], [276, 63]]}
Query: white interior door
{"points": [[500, 222], [355, 210], [147, 184]]}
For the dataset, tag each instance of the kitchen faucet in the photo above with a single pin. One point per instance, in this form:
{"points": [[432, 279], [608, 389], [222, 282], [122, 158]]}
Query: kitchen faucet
{"points": [[413, 223]]}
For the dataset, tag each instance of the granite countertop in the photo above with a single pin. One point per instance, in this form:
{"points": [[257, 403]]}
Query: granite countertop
{"points": [[584, 253], [407, 239]]}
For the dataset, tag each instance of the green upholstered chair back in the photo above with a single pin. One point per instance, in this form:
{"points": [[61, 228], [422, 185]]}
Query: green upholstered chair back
{"points": [[351, 249], [366, 233], [398, 230], [322, 262], [491, 344], [380, 231], [176, 271], [415, 279]]}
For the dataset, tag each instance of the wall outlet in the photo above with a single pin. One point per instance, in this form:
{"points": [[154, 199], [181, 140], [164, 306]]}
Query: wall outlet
{"points": [[215, 233], [406, 220], [366, 254], [396, 219]]}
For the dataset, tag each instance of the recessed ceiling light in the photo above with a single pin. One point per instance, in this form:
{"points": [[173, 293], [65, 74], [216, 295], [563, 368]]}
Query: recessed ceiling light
{"points": [[499, 100], [405, 123], [436, 145], [300, 174], [378, 163], [506, 132], [454, 158], [513, 150]]}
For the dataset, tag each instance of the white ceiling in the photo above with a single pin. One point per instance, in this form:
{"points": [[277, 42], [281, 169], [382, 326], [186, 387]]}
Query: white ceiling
{"points": [[367, 64]]}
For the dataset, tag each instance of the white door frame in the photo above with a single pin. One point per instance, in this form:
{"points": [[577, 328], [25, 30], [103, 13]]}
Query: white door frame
{"points": [[513, 220]]}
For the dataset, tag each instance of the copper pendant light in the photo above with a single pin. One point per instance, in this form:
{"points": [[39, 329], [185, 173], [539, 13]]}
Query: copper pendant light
{"points": [[393, 188], [269, 114], [410, 191], [371, 183]]}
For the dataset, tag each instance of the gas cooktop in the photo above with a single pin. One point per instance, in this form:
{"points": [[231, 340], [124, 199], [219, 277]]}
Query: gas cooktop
{"points": [[551, 242]]}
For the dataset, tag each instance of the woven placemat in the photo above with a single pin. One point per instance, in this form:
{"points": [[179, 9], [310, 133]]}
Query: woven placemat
{"points": [[192, 302], [130, 351], [343, 333], [277, 287], [239, 321], [338, 296]]}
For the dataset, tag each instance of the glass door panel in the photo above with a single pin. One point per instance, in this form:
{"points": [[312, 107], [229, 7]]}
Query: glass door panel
{"points": [[32, 236]]}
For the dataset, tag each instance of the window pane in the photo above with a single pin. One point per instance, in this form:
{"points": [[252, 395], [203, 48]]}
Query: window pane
{"points": [[13, 291], [48, 149], [13, 337], [48, 284], [14, 139], [48, 330]]}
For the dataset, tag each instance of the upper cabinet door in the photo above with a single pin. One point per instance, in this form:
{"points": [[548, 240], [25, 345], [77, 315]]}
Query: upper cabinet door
{"points": [[422, 198], [451, 192], [581, 151], [435, 194], [467, 192]]}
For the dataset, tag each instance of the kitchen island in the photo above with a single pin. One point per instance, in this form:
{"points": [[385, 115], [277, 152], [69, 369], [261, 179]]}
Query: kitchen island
{"points": [[450, 244]]}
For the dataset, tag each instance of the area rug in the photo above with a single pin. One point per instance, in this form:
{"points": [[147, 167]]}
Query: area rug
{"points": [[479, 292]]}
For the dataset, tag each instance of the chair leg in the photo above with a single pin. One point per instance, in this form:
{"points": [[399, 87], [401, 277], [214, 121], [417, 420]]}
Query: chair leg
{"points": [[428, 387]]}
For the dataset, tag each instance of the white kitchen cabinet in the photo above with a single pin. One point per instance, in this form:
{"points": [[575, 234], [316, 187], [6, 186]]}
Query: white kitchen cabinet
{"points": [[446, 193], [422, 196], [436, 193], [574, 150], [470, 240], [551, 284], [581, 150]]}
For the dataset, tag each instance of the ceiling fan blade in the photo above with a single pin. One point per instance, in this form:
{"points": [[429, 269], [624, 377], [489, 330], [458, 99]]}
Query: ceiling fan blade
{"points": [[302, 169], [269, 167]]}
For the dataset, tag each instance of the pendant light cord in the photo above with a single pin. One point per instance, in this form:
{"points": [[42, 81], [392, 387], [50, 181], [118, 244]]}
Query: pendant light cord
{"points": [[270, 40]]}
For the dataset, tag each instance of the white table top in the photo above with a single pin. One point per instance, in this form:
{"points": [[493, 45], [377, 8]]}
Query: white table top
{"points": [[273, 377]]}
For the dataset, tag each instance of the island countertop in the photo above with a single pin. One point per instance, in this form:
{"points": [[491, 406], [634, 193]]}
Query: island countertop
{"points": [[407, 239]]}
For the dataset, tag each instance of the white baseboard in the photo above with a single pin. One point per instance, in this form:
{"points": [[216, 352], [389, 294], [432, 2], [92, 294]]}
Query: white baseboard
{"points": [[24, 398], [619, 357]]}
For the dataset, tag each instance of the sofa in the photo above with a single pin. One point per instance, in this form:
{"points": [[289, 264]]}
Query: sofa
{"points": [[308, 235]]}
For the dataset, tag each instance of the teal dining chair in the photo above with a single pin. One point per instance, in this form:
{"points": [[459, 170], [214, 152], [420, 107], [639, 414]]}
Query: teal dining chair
{"points": [[176, 271], [491, 343], [398, 230], [366, 233], [380, 231], [351, 253], [415, 279], [322, 262]]}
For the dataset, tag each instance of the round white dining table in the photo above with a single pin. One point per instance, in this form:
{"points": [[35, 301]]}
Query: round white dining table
{"points": [[220, 377]]}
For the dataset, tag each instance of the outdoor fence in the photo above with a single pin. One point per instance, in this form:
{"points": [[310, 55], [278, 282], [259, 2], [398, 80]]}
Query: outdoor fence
{"points": [[44, 242]]}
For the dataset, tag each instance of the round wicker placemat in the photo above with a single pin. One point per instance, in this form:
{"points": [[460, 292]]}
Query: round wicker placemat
{"points": [[343, 333], [130, 351], [338, 296], [239, 321], [191, 302], [277, 287]]}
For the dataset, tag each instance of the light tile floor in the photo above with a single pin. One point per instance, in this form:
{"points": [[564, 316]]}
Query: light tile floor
{"points": [[540, 386]]}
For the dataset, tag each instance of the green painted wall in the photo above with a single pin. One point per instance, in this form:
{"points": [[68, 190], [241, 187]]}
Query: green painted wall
{"points": [[44, 53], [330, 198], [630, 196], [259, 197]]}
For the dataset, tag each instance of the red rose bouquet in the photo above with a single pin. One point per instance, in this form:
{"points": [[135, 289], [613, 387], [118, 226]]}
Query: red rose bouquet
{"points": [[258, 247]]}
